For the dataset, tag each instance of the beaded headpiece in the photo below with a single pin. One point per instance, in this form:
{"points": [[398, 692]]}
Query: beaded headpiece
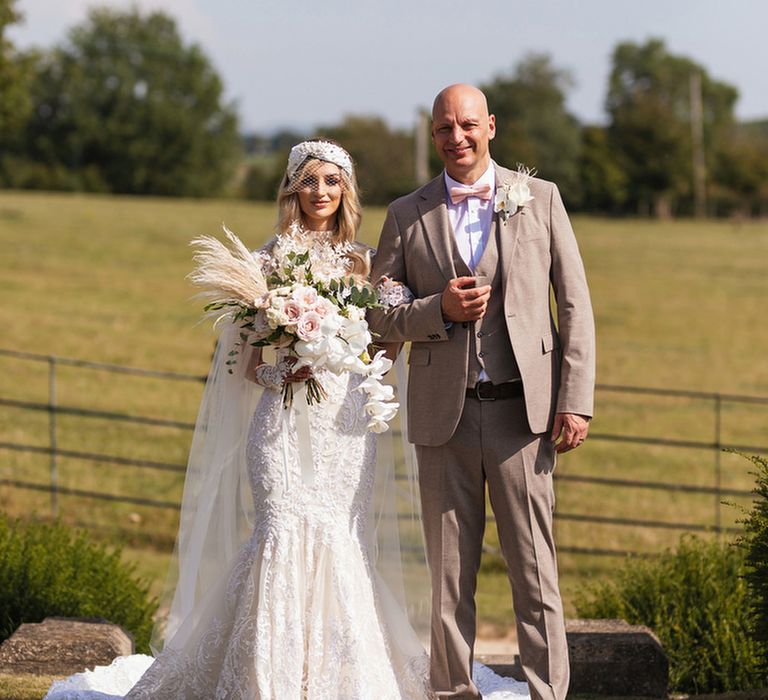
{"points": [[322, 150]]}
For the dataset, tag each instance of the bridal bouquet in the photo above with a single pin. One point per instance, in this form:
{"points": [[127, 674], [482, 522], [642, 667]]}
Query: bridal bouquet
{"points": [[300, 298]]}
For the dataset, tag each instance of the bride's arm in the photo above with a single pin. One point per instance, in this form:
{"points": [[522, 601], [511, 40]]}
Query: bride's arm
{"points": [[273, 376], [254, 361]]}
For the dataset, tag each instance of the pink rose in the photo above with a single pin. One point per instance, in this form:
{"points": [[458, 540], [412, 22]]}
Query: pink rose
{"points": [[308, 327], [292, 310]]}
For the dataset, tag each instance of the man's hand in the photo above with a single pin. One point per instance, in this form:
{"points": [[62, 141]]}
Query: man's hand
{"points": [[572, 430], [462, 301]]}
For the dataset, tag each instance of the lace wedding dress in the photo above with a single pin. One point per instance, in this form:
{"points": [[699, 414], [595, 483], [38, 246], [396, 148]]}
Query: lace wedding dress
{"points": [[302, 612]]}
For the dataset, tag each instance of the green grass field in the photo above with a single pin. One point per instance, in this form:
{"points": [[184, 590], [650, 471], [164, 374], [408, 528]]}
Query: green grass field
{"points": [[678, 305]]}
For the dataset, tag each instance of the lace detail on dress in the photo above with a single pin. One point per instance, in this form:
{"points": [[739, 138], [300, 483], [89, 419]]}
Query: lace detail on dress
{"points": [[329, 258], [392, 293], [299, 615]]}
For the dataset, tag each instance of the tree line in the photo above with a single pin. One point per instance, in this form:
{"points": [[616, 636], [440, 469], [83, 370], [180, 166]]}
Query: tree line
{"points": [[124, 105]]}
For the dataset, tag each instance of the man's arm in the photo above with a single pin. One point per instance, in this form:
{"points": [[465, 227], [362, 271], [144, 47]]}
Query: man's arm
{"points": [[421, 319], [576, 326]]}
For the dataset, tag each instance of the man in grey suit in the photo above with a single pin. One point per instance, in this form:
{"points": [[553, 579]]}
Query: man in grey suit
{"points": [[496, 388]]}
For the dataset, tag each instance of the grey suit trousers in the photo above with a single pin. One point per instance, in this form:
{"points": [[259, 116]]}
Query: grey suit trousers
{"points": [[492, 443]]}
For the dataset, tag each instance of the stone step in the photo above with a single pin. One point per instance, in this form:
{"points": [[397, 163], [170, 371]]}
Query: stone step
{"points": [[63, 646], [608, 657]]}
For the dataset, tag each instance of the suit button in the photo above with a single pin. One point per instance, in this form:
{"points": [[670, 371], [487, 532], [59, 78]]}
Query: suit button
{"points": [[482, 353], [464, 325], [480, 334]]}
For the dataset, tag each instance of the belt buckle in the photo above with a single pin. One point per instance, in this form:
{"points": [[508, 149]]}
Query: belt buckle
{"points": [[479, 396]]}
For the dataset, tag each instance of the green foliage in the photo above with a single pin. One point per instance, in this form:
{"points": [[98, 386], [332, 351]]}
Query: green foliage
{"points": [[533, 126], [50, 570], [384, 157], [649, 105], [755, 545], [14, 100], [603, 179], [695, 599], [124, 106], [741, 171]]}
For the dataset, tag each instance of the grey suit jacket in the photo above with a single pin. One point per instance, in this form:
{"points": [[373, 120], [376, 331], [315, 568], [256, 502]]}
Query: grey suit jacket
{"points": [[538, 253]]}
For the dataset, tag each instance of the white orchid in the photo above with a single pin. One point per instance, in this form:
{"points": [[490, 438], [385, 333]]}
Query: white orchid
{"points": [[514, 193], [380, 364]]}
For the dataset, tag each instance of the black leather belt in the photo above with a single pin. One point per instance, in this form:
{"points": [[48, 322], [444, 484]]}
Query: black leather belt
{"points": [[488, 391]]}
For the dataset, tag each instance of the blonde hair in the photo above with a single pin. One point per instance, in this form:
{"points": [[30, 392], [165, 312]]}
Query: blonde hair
{"points": [[348, 214]]}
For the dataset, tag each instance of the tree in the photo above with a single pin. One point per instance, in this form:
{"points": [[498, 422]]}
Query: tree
{"points": [[267, 156], [649, 106], [740, 173], [124, 106], [14, 98], [533, 125], [384, 157], [603, 181]]}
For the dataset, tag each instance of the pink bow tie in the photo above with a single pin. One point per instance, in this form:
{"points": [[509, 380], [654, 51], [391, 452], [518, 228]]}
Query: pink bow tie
{"points": [[459, 194]]}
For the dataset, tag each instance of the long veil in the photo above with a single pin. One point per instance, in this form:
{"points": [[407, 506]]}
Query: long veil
{"points": [[217, 508]]}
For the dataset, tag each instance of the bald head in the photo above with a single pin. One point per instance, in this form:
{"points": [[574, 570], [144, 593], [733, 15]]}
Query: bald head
{"points": [[462, 129], [462, 93]]}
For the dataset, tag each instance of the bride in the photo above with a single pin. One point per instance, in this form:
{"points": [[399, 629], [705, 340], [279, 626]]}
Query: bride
{"points": [[299, 564]]}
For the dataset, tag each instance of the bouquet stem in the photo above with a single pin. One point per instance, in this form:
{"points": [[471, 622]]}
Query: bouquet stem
{"points": [[315, 392]]}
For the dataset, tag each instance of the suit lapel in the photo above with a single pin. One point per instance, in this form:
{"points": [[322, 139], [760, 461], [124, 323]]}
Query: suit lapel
{"points": [[509, 229], [436, 225]]}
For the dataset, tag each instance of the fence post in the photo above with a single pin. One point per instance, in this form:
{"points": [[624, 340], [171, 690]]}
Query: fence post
{"points": [[52, 436], [718, 466]]}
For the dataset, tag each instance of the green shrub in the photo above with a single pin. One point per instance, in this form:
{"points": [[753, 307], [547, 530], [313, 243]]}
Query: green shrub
{"points": [[696, 601], [50, 570], [755, 545]]}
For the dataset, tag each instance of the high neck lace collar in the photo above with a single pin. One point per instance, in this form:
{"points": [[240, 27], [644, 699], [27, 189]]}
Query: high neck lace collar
{"points": [[300, 232]]}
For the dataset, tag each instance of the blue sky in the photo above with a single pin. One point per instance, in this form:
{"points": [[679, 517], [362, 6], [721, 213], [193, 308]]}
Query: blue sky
{"points": [[299, 63]]}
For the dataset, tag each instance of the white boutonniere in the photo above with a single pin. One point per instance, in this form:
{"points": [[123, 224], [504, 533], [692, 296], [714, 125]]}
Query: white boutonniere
{"points": [[513, 193]]}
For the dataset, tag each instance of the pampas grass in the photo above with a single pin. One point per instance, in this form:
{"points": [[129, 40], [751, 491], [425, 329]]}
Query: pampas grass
{"points": [[228, 276]]}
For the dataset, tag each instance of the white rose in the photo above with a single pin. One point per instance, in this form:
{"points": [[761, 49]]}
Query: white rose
{"points": [[276, 317], [306, 296], [336, 351], [355, 313]]}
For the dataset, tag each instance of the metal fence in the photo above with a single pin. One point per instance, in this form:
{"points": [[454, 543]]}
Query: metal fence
{"points": [[55, 409]]}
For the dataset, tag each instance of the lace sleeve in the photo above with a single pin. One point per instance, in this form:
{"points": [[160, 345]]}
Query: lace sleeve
{"points": [[271, 376], [393, 293]]}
